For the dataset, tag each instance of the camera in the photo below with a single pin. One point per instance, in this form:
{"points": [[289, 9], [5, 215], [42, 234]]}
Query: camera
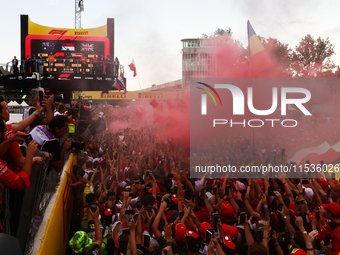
{"points": [[78, 145], [57, 98]]}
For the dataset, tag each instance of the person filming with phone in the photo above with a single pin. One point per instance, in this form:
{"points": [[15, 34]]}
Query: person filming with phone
{"points": [[43, 118]]}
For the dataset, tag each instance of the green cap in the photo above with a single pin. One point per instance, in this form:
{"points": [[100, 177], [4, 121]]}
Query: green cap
{"points": [[80, 242]]}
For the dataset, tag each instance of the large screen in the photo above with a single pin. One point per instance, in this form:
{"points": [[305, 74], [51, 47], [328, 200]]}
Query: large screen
{"points": [[39, 41]]}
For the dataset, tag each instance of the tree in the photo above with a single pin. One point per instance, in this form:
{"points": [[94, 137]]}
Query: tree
{"points": [[218, 32], [280, 54], [311, 57]]}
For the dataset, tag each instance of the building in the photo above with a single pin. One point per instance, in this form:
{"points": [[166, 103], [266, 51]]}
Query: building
{"points": [[197, 59]]}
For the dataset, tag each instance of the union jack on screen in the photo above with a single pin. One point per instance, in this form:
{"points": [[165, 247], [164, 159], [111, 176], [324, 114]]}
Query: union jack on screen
{"points": [[87, 47]]}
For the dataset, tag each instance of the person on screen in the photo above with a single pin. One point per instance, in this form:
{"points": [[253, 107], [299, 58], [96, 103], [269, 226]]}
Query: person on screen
{"points": [[83, 63], [50, 61], [67, 59]]}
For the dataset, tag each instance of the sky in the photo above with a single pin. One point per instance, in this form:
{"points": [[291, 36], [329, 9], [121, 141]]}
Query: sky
{"points": [[150, 31]]}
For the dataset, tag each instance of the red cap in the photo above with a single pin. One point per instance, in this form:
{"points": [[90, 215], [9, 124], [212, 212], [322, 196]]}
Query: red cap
{"points": [[227, 241], [333, 208], [292, 209], [174, 198], [203, 228], [108, 211], [157, 190], [323, 183], [276, 219], [231, 231], [192, 234], [297, 251], [180, 229], [228, 210]]}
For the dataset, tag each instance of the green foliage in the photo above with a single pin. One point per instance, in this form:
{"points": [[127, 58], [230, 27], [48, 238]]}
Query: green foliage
{"points": [[312, 57]]}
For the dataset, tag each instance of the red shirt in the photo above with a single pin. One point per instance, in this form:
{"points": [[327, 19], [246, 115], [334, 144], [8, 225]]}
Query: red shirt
{"points": [[13, 152], [9, 179], [203, 215]]}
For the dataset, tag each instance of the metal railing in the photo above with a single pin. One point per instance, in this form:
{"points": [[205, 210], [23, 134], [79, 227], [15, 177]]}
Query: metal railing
{"points": [[44, 181], [73, 65]]}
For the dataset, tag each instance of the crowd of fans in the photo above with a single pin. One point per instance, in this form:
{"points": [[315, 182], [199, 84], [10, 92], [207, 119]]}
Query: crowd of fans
{"points": [[134, 194]]}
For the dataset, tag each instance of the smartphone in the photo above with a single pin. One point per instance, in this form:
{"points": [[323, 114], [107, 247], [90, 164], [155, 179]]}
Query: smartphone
{"points": [[130, 212], [317, 214], [135, 217], [299, 202], [202, 193], [111, 193], [242, 218], [149, 208], [218, 183], [271, 192], [333, 175], [271, 220], [170, 175], [139, 205], [181, 214], [41, 96], [130, 194], [93, 207], [175, 190], [214, 191], [208, 235], [28, 139], [181, 172], [243, 193], [327, 239], [305, 181], [328, 191], [126, 231], [215, 216], [146, 240], [227, 188], [280, 206]]}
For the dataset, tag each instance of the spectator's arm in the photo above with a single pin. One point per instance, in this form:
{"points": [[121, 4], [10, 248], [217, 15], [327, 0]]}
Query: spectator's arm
{"points": [[139, 226], [250, 209], [18, 136], [157, 220], [133, 245], [58, 166], [249, 236], [266, 233], [49, 111], [97, 231], [189, 184], [21, 125], [207, 204]]}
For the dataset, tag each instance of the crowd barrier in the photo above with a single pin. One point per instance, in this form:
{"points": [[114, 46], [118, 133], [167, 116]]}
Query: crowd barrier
{"points": [[53, 233]]}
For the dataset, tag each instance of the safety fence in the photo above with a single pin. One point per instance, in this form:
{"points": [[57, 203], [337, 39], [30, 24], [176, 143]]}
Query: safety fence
{"points": [[45, 216]]}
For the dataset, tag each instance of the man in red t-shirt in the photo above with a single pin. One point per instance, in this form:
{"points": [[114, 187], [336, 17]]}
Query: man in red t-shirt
{"points": [[14, 158], [8, 178]]}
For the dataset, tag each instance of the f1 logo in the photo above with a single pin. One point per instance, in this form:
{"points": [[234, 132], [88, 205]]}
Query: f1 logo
{"points": [[57, 32]]}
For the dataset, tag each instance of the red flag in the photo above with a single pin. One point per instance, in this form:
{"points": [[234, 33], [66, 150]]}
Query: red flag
{"points": [[133, 68]]}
